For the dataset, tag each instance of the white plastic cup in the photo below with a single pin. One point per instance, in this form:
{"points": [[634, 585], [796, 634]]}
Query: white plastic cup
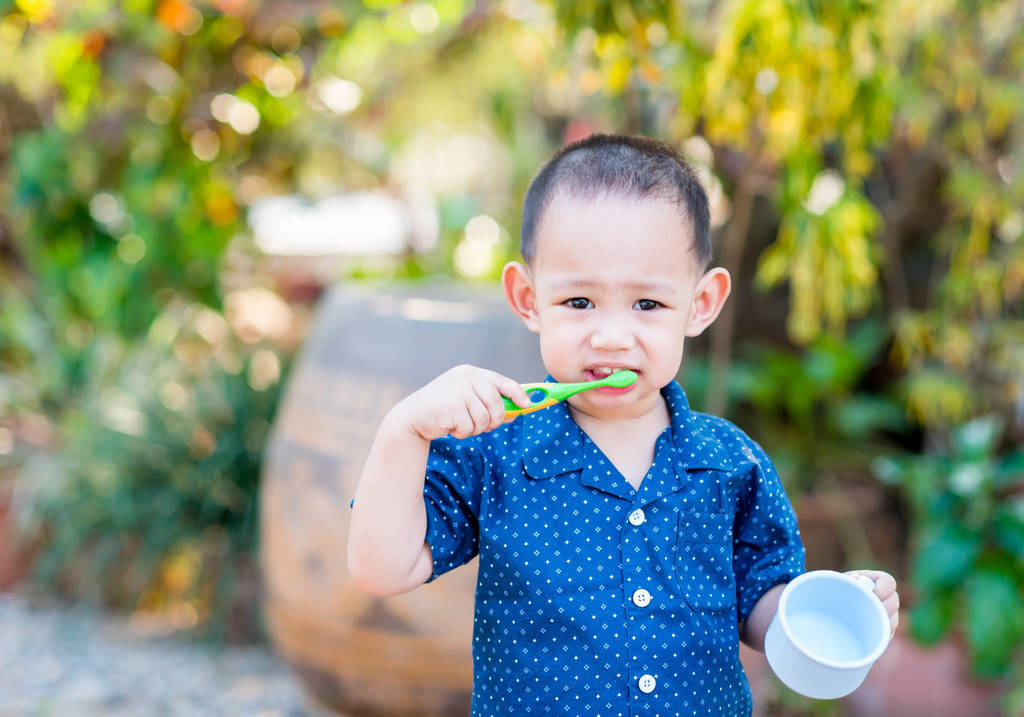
{"points": [[828, 631]]}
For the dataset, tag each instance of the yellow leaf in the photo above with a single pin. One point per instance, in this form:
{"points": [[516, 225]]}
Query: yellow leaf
{"points": [[37, 11], [617, 75]]}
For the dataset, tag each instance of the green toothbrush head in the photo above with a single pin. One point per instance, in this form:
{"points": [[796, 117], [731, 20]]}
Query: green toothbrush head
{"points": [[621, 379]]}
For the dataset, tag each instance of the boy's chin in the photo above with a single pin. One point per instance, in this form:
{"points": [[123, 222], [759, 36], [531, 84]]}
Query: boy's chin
{"points": [[609, 405]]}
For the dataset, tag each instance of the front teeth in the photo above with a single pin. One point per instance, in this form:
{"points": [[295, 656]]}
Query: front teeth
{"points": [[602, 371]]}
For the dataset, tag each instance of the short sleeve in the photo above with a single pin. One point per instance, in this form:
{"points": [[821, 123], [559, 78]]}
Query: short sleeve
{"points": [[767, 549], [451, 496]]}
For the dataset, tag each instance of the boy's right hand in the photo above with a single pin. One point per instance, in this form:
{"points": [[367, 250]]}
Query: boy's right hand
{"points": [[463, 401]]}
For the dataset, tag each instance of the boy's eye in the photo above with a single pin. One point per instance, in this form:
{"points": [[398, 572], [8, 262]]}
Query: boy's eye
{"points": [[578, 302], [647, 304]]}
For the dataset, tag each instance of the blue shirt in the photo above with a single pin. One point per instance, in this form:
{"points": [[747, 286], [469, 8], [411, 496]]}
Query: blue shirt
{"points": [[594, 598]]}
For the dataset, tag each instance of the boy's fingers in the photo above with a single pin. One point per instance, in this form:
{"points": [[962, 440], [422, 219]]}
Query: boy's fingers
{"points": [[512, 389], [885, 584], [892, 604], [479, 413], [497, 414], [465, 423], [491, 399], [444, 428], [885, 589], [460, 416]]}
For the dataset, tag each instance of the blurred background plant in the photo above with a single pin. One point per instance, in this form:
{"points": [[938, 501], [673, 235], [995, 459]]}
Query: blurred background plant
{"points": [[149, 504], [865, 164], [826, 414], [968, 515]]}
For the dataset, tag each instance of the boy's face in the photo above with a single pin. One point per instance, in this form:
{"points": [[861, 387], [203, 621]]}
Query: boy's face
{"points": [[613, 285]]}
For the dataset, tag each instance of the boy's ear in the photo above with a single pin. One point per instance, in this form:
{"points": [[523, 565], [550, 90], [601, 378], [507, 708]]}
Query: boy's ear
{"points": [[709, 298], [518, 286]]}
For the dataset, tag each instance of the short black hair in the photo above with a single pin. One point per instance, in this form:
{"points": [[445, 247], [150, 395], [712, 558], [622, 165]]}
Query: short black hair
{"points": [[631, 167]]}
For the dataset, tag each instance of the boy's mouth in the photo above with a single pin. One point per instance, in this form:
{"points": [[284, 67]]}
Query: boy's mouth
{"points": [[596, 373]]}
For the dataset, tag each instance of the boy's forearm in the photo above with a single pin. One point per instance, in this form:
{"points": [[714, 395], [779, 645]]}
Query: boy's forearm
{"points": [[386, 550], [752, 631]]}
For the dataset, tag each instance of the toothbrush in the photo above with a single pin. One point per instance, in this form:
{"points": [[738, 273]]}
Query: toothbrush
{"points": [[555, 392]]}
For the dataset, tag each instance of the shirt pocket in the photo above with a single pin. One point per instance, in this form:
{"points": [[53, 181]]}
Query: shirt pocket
{"points": [[704, 561]]}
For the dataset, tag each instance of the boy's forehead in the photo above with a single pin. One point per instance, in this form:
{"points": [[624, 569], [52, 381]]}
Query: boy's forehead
{"points": [[604, 208], [615, 227], [624, 280]]}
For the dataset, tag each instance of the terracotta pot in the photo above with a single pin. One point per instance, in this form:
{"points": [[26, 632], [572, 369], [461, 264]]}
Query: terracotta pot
{"points": [[410, 654]]}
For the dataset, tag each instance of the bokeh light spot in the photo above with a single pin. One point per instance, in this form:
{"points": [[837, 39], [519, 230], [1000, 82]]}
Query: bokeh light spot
{"points": [[279, 81], [159, 109], [174, 396], [424, 18], [205, 145], [827, 188], [766, 81], [340, 96], [285, 39], [657, 34], [241, 114], [264, 370], [131, 249], [104, 208], [474, 256]]}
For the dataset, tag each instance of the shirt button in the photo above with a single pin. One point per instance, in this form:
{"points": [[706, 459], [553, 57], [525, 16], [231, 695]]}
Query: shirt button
{"points": [[637, 517], [647, 684], [641, 598]]}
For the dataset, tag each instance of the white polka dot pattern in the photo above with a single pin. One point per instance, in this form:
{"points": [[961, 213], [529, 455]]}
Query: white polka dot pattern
{"points": [[581, 606]]}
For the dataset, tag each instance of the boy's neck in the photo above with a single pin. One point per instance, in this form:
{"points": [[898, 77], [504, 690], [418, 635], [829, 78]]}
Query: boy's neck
{"points": [[627, 442]]}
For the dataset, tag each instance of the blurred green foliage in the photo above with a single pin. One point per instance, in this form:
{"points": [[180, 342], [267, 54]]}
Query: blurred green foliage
{"points": [[880, 144], [154, 505], [968, 567], [815, 408]]}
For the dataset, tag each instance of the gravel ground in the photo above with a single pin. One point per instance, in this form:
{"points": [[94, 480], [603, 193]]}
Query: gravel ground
{"points": [[74, 661]]}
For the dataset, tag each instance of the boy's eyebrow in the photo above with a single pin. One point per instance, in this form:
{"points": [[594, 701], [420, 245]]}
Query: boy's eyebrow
{"points": [[651, 286]]}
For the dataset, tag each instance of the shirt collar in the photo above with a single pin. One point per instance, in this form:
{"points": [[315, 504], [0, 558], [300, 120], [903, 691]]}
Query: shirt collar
{"points": [[552, 442], [695, 445]]}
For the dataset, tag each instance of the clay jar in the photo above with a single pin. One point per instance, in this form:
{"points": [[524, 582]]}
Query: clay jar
{"points": [[409, 654]]}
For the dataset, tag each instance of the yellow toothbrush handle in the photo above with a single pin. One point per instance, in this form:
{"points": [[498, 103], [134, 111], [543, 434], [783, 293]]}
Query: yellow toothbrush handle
{"points": [[512, 410], [512, 413]]}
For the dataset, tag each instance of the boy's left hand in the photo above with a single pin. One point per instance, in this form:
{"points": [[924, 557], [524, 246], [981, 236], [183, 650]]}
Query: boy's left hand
{"points": [[885, 589]]}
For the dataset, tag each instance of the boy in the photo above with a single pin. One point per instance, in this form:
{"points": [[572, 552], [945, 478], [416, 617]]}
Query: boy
{"points": [[626, 542]]}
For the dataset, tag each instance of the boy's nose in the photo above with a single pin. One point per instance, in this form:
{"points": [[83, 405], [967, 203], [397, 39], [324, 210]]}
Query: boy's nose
{"points": [[611, 335]]}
